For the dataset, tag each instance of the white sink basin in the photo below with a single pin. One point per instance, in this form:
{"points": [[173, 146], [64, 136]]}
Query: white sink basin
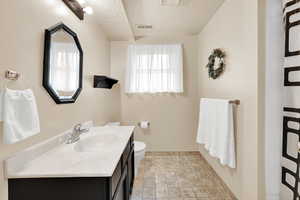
{"points": [[97, 142]]}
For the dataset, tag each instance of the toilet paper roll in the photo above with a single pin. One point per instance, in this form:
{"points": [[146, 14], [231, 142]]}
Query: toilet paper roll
{"points": [[144, 124]]}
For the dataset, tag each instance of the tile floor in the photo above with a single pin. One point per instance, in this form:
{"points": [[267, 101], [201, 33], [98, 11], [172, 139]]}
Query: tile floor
{"points": [[178, 176]]}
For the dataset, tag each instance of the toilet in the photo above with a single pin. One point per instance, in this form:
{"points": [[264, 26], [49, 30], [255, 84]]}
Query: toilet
{"points": [[139, 154], [139, 149]]}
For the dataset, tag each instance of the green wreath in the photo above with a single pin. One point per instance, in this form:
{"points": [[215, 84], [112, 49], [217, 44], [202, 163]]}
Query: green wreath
{"points": [[212, 71]]}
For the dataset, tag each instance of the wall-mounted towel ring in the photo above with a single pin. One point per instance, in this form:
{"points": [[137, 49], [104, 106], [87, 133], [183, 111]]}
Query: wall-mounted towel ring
{"points": [[12, 75]]}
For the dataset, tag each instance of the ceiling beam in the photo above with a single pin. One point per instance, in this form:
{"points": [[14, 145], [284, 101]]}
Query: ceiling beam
{"points": [[125, 15]]}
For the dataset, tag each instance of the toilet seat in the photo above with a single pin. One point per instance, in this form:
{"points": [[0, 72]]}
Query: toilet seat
{"points": [[139, 146]]}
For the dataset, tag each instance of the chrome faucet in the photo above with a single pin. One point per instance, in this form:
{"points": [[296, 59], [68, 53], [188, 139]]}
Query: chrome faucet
{"points": [[75, 135]]}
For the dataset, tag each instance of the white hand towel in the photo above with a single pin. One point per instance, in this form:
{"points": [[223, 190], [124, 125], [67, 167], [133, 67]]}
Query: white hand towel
{"points": [[1, 105], [216, 130], [19, 115]]}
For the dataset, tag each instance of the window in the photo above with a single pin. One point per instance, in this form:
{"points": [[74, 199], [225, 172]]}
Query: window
{"points": [[154, 69], [64, 76]]}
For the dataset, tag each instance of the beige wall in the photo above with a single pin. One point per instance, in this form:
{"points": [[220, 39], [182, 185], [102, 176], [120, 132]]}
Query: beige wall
{"points": [[21, 38], [261, 100], [234, 28], [173, 118]]}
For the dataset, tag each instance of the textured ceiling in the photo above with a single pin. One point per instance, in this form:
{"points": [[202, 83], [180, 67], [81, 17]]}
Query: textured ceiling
{"points": [[112, 17], [118, 18], [187, 18]]}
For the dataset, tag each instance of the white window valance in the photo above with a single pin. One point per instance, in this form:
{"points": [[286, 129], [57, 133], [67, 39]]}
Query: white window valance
{"points": [[154, 69]]}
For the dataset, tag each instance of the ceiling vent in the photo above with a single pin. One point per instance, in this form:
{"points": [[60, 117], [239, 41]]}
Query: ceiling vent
{"points": [[143, 26], [170, 2]]}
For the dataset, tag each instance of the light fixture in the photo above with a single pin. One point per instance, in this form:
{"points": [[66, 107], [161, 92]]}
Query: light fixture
{"points": [[79, 7], [88, 10]]}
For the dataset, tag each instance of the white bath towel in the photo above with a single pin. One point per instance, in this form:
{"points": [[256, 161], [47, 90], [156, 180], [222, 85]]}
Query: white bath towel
{"points": [[216, 130], [19, 115]]}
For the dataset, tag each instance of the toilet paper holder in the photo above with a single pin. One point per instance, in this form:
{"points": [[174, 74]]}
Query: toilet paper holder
{"points": [[140, 124]]}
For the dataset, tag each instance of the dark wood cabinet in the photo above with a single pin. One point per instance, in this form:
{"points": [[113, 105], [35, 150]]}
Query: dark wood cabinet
{"points": [[130, 175], [117, 187], [122, 190], [115, 179]]}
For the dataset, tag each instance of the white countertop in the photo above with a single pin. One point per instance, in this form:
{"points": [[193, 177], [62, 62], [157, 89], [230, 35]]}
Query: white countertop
{"points": [[68, 160]]}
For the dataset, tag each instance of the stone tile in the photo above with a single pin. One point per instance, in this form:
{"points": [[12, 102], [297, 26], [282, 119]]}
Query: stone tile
{"points": [[178, 176], [162, 193], [188, 193], [174, 192]]}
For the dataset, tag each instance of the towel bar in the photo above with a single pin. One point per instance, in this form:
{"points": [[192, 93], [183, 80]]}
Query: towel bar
{"points": [[236, 102]]}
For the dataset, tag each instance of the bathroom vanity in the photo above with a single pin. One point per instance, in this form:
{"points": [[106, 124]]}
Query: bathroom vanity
{"points": [[100, 166]]}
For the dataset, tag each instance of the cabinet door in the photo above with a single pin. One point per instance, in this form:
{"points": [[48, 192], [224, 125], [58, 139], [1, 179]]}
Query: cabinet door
{"points": [[130, 176], [121, 193], [115, 179]]}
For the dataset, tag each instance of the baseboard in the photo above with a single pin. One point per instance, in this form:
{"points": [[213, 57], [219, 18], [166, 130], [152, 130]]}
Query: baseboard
{"points": [[272, 197]]}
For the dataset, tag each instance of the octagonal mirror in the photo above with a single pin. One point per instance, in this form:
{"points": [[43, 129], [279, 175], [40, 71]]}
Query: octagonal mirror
{"points": [[63, 58]]}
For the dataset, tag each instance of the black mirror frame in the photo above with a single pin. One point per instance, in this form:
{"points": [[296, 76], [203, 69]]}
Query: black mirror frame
{"points": [[46, 68]]}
